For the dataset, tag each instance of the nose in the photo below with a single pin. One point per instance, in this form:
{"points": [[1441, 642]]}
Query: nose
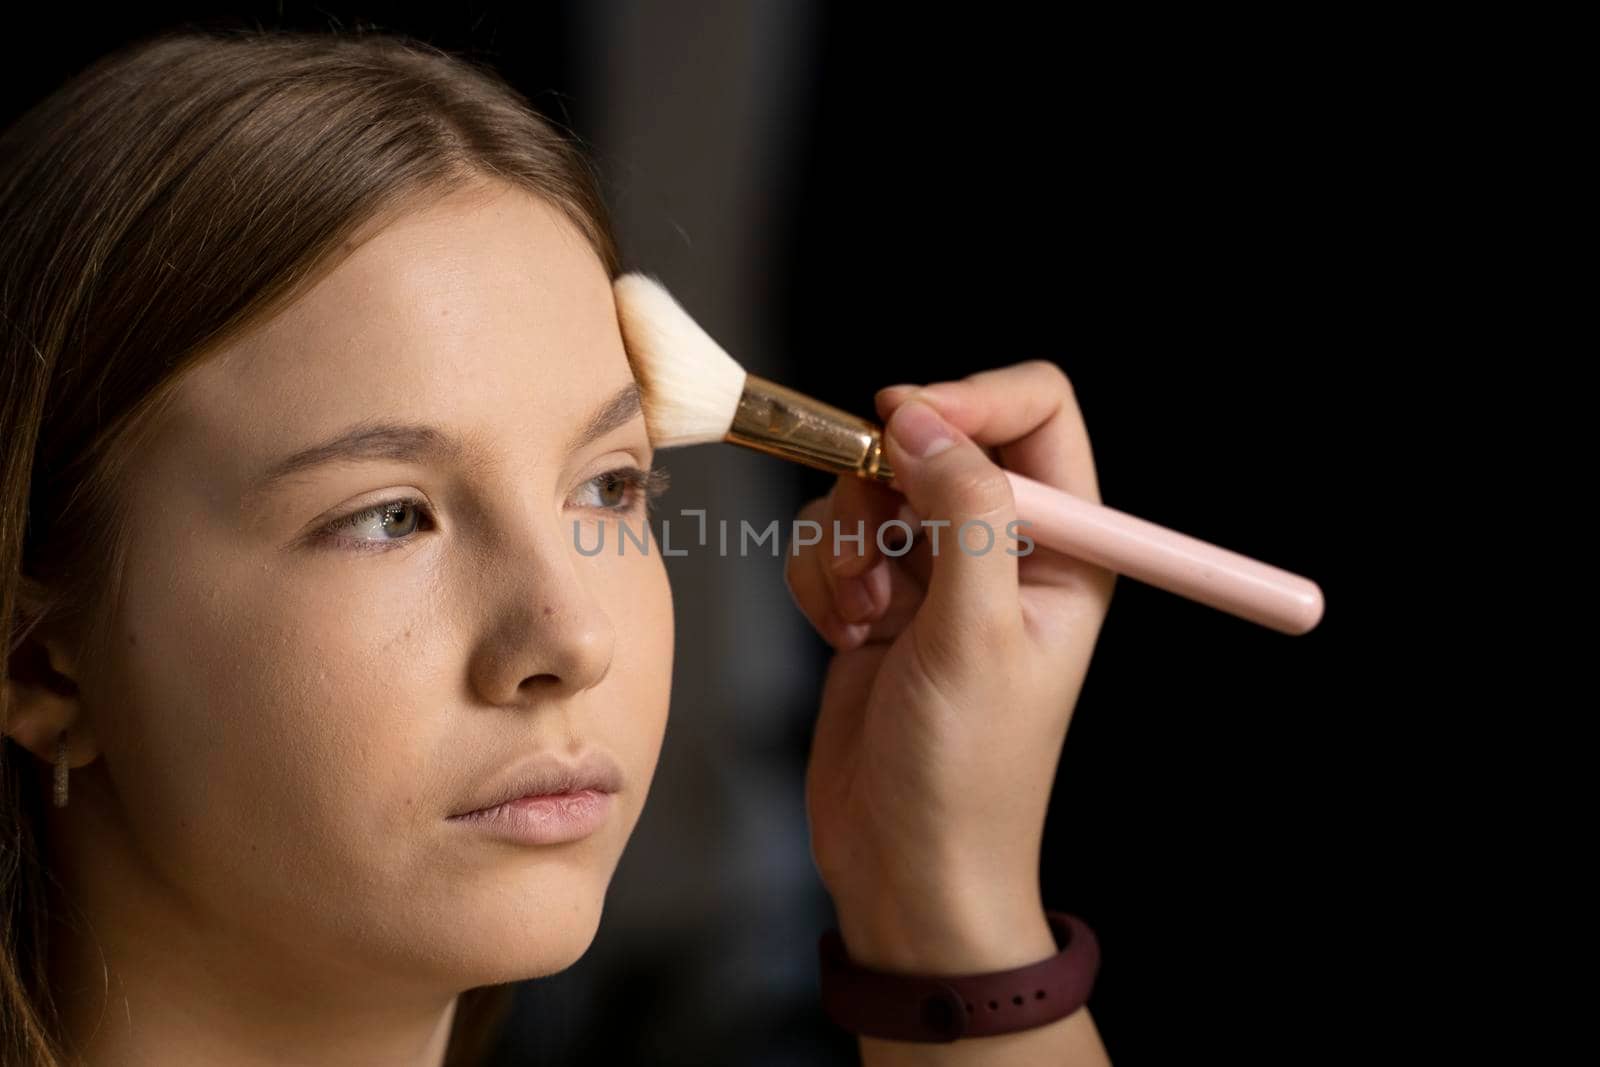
{"points": [[551, 635]]}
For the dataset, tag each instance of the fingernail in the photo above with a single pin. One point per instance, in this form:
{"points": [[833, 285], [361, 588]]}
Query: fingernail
{"points": [[919, 429], [844, 636], [853, 636]]}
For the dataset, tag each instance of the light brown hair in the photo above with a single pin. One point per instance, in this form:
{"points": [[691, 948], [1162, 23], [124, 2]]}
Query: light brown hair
{"points": [[166, 198]]}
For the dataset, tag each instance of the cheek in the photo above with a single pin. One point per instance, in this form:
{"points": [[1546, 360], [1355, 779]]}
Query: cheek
{"points": [[271, 721], [274, 734], [641, 603], [636, 592]]}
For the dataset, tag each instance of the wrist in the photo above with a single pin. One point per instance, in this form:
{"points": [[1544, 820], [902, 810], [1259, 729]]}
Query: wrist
{"points": [[972, 935]]}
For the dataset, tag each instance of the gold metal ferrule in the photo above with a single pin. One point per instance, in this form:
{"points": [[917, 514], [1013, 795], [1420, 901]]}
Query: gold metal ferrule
{"points": [[782, 422]]}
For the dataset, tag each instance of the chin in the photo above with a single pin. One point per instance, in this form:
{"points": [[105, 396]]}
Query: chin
{"points": [[524, 932]]}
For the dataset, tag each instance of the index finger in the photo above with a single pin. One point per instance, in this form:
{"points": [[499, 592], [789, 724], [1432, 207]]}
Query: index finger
{"points": [[1029, 410]]}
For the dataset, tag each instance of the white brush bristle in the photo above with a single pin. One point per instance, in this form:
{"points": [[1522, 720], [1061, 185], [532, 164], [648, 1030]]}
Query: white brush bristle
{"points": [[690, 385]]}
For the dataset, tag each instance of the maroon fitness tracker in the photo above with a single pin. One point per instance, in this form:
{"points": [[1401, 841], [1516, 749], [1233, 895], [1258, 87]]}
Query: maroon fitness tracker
{"points": [[906, 1007]]}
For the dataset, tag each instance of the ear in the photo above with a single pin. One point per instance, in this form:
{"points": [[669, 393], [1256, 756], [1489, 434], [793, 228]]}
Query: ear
{"points": [[41, 699]]}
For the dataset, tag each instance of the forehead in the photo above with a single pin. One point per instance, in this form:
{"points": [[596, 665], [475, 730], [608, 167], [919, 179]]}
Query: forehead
{"points": [[487, 311]]}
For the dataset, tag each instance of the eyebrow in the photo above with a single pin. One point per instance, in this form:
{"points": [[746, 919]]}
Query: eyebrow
{"points": [[420, 442]]}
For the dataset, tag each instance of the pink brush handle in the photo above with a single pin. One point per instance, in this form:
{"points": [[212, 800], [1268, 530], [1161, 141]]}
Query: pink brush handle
{"points": [[1166, 559]]}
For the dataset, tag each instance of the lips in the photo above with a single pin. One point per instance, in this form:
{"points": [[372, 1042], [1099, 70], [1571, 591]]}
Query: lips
{"points": [[546, 774]]}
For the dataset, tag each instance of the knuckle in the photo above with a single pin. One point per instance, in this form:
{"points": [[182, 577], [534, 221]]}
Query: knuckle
{"points": [[982, 491], [1053, 374]]}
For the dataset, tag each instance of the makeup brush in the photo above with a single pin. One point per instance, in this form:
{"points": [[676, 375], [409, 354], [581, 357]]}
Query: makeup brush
{"points": [[695, 393]]}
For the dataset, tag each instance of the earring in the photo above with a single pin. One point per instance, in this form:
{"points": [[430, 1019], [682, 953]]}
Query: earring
{"points": [[61, 770]]}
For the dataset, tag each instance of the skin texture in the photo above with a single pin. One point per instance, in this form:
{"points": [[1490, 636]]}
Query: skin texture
{"points": [[255, 850]]}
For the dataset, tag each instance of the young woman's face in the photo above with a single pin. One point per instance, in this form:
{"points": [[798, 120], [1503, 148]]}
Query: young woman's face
{"points": [[298, 704]]}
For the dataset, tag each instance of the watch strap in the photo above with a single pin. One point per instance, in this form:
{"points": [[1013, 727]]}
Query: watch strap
{"points": [[943, 1008]]}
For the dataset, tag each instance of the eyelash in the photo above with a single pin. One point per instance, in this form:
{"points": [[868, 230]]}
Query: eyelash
{"points": [[642, 488]]}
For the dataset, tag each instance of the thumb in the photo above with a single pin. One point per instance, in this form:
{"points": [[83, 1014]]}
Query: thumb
{"points": [[965, 503]]}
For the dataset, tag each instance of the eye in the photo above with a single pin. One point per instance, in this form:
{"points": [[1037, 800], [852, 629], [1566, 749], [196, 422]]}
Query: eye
{"points": [[625, 489], [396, 522], [400, 518]]}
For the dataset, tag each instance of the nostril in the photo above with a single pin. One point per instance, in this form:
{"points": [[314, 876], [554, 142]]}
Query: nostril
{"points": [[534, 681]]}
